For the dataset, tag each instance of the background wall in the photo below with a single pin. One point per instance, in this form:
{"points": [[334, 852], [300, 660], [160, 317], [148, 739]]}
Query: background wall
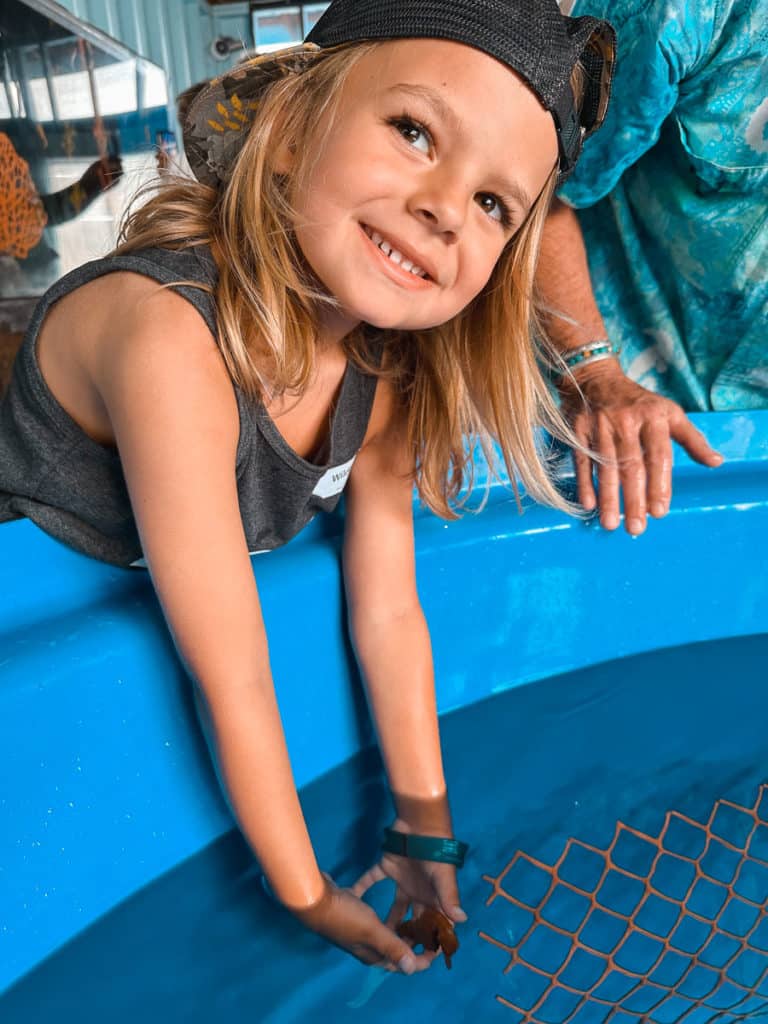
{"points": [[176, 34]]}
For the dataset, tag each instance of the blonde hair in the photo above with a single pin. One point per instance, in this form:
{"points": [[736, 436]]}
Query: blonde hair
{"points": [[473, 381]]}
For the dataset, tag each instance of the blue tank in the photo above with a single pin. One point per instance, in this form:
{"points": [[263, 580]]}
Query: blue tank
{"points": [[603, 706]]}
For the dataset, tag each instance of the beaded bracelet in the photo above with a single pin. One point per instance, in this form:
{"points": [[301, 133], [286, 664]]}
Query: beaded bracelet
{"points": [[592, 352]]}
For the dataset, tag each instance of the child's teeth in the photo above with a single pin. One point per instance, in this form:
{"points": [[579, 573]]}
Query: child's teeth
{"points": [[394, 255]]}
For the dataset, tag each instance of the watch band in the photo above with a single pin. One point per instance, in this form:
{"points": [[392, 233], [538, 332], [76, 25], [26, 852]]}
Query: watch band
{"points": [[436, 848]]}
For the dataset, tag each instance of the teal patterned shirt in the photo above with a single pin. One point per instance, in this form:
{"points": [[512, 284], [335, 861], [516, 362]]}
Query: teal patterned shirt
{"points": [[674, 198]]}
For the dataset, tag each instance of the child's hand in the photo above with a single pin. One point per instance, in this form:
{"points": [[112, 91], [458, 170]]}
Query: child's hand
{"points": [[432, 931], [421, 884], [347, 922]]}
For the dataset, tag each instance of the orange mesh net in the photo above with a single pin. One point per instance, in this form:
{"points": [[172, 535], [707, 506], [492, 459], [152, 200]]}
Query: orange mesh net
{"points": [[660, 928], [22, 216]]}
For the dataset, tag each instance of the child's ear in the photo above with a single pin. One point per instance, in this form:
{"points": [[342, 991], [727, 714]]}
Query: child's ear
{"points": [[284, 159]]}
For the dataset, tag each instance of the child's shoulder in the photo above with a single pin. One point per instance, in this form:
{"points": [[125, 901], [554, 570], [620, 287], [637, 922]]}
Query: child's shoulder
{"points": [[121, 308], [123, 323], [150, 331]]}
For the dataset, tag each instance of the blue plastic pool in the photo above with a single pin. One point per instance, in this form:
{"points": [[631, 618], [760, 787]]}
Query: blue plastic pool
{"points": [[603, 708]]}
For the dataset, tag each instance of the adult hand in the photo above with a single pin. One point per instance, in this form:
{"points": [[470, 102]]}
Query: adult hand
{"points": [[342, 918], [632, 429]]}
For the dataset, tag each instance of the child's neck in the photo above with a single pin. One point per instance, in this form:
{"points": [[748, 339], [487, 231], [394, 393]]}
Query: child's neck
{"points": [[332, 327]]}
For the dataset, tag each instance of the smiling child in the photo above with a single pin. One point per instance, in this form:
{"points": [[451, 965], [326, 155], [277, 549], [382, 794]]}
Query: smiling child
{"points": [[340, 300]]}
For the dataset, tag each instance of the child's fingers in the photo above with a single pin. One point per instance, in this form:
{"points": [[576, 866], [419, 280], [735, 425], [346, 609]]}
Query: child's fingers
{"points": [[398, 953], [398, 910], [448, 895], [366, 880]]}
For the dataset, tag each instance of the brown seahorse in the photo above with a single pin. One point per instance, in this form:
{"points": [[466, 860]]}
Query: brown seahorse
{"points": [[433, 931]]}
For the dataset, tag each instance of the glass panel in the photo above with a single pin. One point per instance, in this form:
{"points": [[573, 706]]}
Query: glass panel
{"points": [[42, 109], [32, 61], [276, 27], [116, 87], [311, 14], [72, 94], [154, 87], [80, 119]]}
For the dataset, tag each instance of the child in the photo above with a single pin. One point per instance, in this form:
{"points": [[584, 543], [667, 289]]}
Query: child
{"points": [[347, 296]]}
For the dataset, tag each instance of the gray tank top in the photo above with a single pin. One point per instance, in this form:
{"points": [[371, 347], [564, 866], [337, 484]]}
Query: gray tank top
{"points": [[73, 487]]}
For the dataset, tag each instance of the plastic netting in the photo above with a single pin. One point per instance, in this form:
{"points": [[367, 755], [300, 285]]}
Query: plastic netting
{"points": [[660, 928]]}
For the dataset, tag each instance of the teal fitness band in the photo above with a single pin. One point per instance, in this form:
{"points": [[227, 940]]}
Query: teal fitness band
{"points": [[446, 851]]}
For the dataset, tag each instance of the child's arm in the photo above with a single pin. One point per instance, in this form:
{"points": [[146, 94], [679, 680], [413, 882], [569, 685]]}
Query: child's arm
{"points": [[391, 639], [173, 411], [175, 421]]}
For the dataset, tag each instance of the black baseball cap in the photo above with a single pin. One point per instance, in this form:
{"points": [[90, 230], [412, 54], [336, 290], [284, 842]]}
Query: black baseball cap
{"points": [[532, 37]]}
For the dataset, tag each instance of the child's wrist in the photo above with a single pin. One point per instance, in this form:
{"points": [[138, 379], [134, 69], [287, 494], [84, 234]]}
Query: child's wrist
{"points": [[425, 829], [428, 816], [443, 849], [315, 915], [301, 895]]}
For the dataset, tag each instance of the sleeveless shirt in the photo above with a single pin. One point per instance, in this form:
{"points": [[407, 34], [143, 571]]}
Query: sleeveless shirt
{"points": [[72, 487]]}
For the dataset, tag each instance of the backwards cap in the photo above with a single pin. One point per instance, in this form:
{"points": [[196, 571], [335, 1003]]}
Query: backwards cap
{"points": [[532, 37]]}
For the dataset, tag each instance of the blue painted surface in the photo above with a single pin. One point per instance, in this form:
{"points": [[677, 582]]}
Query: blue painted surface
{"points": [[543, 778], [104, 780]]}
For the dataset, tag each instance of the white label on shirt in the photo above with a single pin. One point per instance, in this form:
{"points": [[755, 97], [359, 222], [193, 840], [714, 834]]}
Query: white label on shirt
{"points": [[332, 482], [141, 563]]}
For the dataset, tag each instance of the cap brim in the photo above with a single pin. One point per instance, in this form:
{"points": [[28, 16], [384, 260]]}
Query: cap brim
{"points": [[219, 113]]}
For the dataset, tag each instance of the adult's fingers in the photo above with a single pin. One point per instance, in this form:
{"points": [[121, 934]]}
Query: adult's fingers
{"points": [[607, 477], [694, 442], [582, 465], [657, 448], [633, 480]]}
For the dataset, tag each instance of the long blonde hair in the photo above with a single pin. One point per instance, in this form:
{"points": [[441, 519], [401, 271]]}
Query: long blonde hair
{"points": [[472, 381]]}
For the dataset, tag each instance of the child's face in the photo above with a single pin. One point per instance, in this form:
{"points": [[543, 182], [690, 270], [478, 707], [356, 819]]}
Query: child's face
{"points": [[437, 153]]}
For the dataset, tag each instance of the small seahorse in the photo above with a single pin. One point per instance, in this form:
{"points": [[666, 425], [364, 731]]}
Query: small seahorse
{"points": [[433, 931]]}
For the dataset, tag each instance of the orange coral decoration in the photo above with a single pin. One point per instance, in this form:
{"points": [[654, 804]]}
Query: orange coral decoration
{"points": [[22, 215], [433, 931]]}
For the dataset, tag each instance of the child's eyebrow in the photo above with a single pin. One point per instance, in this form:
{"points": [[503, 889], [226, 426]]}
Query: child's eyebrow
{"points": [[430, 96], [512, 191]]}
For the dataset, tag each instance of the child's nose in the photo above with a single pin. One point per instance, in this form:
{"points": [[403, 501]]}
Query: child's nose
{"points": [[441, 202]]}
